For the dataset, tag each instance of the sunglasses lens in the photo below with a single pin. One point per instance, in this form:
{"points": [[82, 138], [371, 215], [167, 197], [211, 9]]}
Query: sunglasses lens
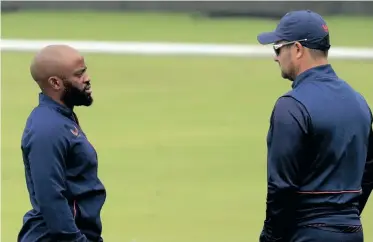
{"points": [[277, 51]]}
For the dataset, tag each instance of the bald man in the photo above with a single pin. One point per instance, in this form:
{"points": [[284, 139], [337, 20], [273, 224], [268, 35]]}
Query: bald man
{"points": [[60, 163]]}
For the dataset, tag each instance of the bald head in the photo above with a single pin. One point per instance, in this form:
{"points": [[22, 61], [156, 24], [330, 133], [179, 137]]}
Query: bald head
{"points": [[61, 73], [53, 60]]}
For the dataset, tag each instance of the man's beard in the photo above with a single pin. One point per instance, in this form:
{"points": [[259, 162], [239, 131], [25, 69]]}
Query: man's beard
{"points": [[73, 96], [289, 74]]}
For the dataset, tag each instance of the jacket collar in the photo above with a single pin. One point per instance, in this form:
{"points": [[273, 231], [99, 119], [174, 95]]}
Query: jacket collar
{"points": [[318, 71], [45, 100]]}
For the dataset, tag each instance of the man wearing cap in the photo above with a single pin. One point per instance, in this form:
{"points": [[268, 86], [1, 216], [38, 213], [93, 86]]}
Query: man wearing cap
{"points": [[317, 140]]}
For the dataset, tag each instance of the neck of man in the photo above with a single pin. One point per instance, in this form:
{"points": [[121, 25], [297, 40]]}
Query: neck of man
{"points": [[55, 97], [312, 63]]}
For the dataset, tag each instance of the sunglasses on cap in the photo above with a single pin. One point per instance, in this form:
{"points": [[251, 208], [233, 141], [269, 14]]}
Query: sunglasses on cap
{"points": [[277, 47]]}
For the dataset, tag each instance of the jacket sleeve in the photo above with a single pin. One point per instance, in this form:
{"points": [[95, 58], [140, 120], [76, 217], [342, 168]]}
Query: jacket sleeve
{"points": [[46, 153], [367, 183], [289, 126]]}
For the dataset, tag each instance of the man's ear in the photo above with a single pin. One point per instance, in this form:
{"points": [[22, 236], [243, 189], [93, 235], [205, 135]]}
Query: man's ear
{"points": [[299, 50], [55, 83]]}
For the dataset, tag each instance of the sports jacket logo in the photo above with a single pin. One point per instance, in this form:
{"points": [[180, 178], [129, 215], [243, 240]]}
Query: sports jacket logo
{"points": [[75, 131]]}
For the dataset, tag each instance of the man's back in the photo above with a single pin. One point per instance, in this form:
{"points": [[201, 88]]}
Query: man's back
{"points": [[338, 127], [317, 141]]}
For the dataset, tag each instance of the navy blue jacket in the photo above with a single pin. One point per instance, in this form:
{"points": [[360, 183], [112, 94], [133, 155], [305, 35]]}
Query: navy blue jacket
{"points": [[367, 184], [317, 150], [61, 175]]}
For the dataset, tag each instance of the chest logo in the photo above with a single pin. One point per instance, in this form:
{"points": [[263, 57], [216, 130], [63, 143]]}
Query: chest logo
{"points": [[75, 131]]}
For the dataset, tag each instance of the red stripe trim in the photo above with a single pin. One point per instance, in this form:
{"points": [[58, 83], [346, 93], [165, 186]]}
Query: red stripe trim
{"points": [[332, 192], [74, 209]]}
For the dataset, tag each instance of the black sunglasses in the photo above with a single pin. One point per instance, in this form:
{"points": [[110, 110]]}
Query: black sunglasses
{"points": [[277, 47]]}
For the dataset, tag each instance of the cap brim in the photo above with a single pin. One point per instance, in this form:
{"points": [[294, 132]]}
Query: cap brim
{"points": [[268, 38]]}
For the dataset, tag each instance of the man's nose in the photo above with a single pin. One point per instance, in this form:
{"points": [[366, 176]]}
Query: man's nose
{"points": [[275, 58], [86, 78]]}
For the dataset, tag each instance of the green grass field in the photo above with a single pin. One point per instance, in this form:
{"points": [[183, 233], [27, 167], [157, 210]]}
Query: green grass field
{"points": [[181, 140]]}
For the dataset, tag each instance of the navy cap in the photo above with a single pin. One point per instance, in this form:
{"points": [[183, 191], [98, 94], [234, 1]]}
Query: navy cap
{"points": [[300, 25]]}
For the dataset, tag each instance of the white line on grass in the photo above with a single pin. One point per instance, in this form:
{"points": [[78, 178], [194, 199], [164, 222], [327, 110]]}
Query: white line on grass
{"points": [[161, 48]]}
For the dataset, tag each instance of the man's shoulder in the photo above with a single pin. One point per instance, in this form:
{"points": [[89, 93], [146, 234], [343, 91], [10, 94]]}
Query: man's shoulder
{"points": [[294, 92], [298, 97], [44, 121], [43, 116], [43, 130], [288, 100], [288, 104]]}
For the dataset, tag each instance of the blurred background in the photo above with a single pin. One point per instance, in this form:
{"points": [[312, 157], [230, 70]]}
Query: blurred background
{"points": [[181, 139]]}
